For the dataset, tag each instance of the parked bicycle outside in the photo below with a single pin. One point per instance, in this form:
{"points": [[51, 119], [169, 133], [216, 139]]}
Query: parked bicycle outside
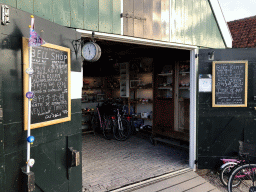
{"points": [[243, 175]]}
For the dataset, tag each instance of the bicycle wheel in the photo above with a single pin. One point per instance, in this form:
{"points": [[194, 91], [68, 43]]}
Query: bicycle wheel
{"points": [[95, 124], [225, 173], [122, 130], [245, 175], [107, 128]]}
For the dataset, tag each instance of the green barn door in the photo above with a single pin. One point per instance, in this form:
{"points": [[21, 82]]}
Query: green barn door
{"points": [[52, 170], [220, 128]]}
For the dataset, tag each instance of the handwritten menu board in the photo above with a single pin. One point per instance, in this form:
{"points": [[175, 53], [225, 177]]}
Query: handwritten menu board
{"points": [[50, 83], [229, 83]]}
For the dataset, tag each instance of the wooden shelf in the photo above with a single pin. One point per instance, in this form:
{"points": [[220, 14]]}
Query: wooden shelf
{"points": [[142, 87], [164, 98], [184, 72], [146, 119], [88, 112], [140, 102], [91, 88], [184, 87], [165, 74], [165, 87]]}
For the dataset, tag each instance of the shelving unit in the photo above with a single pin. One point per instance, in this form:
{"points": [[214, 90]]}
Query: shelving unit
{"points": [[124, 79], [183, 98], [165, 85], [172, 93], [141, 95]]}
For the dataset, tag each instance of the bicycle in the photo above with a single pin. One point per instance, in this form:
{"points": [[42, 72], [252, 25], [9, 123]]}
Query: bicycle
{"points": [[107, 124], [111, 122], [243, 175], [226, 169], [122, 128], [103, 121], [229, 164]]}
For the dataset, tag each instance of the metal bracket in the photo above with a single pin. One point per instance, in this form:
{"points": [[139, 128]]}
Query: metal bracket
{"points": [[131, 16], [76, 45], [5, 15], [211, 55], [28, 180]]}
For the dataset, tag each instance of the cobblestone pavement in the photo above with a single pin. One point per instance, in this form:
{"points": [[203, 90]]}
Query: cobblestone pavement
{"points": [[110, 164], [213, 178]]}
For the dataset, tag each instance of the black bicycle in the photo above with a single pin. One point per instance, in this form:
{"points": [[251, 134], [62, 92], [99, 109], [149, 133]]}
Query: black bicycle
{"points": [[243, 175], [111, 122], [103, 122], [122, 128]]}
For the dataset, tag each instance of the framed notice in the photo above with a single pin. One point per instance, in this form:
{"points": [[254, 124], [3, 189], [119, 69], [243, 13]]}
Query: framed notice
{"points": [[50, 83], [229, 83]]}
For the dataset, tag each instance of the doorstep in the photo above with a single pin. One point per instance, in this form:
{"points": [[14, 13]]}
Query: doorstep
{"points": [[181, 180]]}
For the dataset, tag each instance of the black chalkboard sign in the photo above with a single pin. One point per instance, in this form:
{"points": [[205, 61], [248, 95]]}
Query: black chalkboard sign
{"points": [[229, 85], [50, 83]]}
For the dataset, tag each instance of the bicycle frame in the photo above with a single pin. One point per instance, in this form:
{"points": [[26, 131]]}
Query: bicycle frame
{"points": [[120, 126], [99, 117], [245, 173], [230, 162]]}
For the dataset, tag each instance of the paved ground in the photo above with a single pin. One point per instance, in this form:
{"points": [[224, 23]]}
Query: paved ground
{"points": [[110, 164], [213, 178], [185, 180]]}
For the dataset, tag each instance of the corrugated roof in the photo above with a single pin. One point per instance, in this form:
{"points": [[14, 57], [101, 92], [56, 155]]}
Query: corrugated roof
{"points": [[243, 32]]}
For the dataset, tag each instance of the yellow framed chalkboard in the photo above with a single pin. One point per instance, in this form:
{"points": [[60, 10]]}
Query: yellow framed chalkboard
{"points": [[229, 83], [50, 83]]}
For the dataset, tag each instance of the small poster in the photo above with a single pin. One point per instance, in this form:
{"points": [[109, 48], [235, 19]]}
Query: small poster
{"points": [[205, 83]]}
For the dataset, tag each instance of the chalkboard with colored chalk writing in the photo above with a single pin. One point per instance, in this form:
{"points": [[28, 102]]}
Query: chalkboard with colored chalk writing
{"points": [[229, 83], [50, 83]]}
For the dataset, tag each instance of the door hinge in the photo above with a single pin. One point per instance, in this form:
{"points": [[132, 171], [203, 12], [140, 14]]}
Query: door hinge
{"points": [[5, 15], [126, 15]]}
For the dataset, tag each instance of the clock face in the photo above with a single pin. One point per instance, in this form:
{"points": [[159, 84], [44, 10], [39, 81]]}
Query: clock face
{"points": [[91, 51]]}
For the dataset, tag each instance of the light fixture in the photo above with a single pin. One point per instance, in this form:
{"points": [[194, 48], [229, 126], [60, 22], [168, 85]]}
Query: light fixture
{"points": [[76, 45], [211, 55]]}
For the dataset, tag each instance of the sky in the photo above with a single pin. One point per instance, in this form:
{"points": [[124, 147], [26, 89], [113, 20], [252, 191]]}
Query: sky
{"points": [[237, 9]]}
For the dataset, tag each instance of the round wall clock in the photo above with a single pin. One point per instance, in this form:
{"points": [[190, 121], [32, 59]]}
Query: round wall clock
{"points": [[91, 51]]}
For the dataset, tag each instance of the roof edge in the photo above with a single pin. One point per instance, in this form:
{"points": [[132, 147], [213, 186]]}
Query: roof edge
{"points": [[223, 26], [243, 19]]}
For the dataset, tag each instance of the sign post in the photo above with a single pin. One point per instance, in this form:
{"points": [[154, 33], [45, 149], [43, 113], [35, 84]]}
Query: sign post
{"points": [[34, 41]]}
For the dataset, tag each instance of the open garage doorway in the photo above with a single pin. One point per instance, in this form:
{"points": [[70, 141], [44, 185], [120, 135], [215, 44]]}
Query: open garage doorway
{"points": [[156, 91]]}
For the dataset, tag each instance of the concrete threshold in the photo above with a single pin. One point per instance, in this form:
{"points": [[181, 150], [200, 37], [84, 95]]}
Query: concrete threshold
{"points": [[150, 181]]}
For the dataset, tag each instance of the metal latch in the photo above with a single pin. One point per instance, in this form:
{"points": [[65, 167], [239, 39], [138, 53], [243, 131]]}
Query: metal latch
{"points": [[74, 157], [5, 15]]}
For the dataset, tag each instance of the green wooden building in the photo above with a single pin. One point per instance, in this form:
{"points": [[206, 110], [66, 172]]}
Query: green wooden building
{"points": [[179, 25]]}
